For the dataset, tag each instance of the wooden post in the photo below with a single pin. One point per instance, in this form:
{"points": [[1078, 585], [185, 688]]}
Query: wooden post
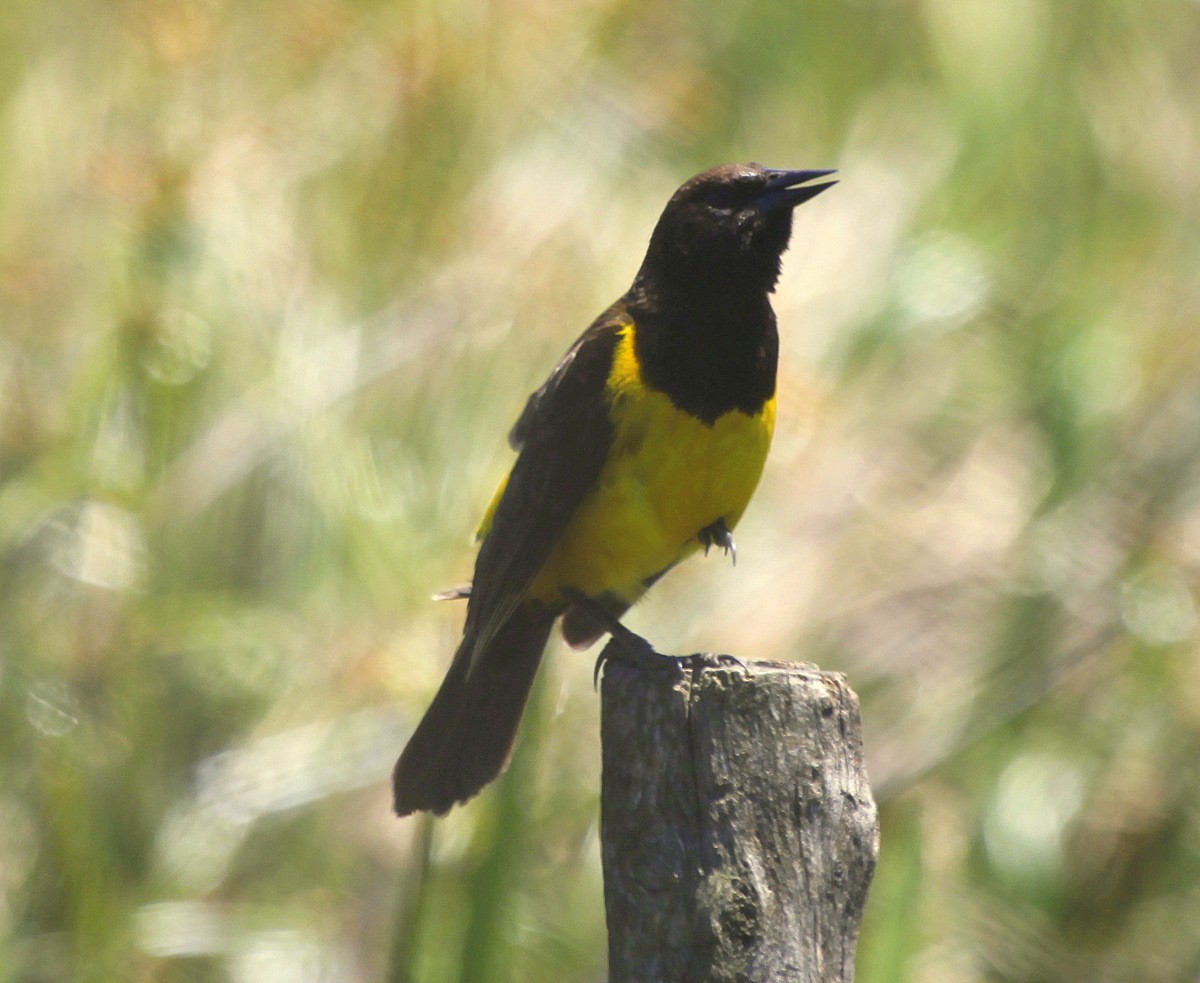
{"points": [[738, 831]]}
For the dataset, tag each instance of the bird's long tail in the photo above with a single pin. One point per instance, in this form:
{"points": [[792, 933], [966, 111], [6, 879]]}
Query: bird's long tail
{"points": [[466, 735]]}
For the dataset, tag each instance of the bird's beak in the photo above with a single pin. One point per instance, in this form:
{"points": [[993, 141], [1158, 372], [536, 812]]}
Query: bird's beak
{"points": [[787, 189]]}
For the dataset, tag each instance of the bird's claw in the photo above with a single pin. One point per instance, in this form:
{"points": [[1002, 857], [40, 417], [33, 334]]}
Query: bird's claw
{"points": [[624, 644], [718, 534], [645, 657], [630, 648]]}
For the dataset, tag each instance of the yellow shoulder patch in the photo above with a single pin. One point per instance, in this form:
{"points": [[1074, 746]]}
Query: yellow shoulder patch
{"points": [[485, 524]]}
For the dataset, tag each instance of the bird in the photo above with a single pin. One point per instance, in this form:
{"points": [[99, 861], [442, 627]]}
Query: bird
{"points": [[643, 447]]}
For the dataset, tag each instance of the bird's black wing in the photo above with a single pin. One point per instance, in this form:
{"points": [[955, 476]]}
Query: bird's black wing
{"points": [[585, 366], [563, 435]]}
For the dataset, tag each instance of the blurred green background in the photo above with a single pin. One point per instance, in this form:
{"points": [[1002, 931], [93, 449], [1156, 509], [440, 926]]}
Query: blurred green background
{"points": [[276, 278]]}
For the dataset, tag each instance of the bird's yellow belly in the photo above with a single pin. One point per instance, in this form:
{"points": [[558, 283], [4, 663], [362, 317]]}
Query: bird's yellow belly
{"points": [[668, 476]]}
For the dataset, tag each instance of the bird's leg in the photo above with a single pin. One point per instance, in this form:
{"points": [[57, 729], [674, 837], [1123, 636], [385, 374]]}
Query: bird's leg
{"points": [[633, 648], [718, 534]]}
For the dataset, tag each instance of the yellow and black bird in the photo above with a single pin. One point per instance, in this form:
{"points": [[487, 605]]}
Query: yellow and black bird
{"points": [[643, 446]]}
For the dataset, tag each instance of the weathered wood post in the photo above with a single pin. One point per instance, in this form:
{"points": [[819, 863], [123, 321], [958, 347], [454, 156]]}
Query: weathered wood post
{"points": [[738, 831]]}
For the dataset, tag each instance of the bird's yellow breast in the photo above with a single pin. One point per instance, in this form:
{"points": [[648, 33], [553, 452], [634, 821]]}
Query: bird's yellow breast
{"points": [[667, 476]]}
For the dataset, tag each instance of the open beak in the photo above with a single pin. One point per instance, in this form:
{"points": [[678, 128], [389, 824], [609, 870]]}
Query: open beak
{"points": [[787, 189]]}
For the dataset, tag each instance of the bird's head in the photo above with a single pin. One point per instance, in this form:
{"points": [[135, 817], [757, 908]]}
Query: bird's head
{"points": [[730, 223]]}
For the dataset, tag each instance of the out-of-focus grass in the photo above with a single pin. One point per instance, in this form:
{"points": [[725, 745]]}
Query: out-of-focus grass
{"points": [[274, 280]]}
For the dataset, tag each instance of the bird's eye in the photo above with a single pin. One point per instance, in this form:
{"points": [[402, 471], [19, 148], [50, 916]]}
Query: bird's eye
{"points": [[723, 196]]}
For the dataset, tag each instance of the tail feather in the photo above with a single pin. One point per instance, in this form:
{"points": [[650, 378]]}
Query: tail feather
{"points": [[466, 735]]}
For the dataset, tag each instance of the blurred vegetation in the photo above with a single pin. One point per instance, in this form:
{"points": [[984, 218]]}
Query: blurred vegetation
{"points": [[274, 280]]}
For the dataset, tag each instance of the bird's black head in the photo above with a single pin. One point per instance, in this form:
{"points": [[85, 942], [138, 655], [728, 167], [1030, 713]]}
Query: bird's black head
{"points": [[729, 226]]}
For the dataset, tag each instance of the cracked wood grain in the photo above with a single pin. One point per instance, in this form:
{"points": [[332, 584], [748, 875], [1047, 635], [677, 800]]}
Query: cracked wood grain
{"points": [[738, 830]]}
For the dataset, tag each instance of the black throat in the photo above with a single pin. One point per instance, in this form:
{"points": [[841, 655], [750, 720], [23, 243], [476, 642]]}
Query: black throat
{"points": [[710, 346]]}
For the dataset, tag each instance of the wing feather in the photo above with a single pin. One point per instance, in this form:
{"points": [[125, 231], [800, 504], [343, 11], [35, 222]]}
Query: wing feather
{"points": [[563, 434]]}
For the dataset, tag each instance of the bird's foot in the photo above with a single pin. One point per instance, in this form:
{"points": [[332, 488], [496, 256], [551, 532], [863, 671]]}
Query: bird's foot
{"points": [[629, 647], [625, 645], [642, 656], [718, 534]]}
